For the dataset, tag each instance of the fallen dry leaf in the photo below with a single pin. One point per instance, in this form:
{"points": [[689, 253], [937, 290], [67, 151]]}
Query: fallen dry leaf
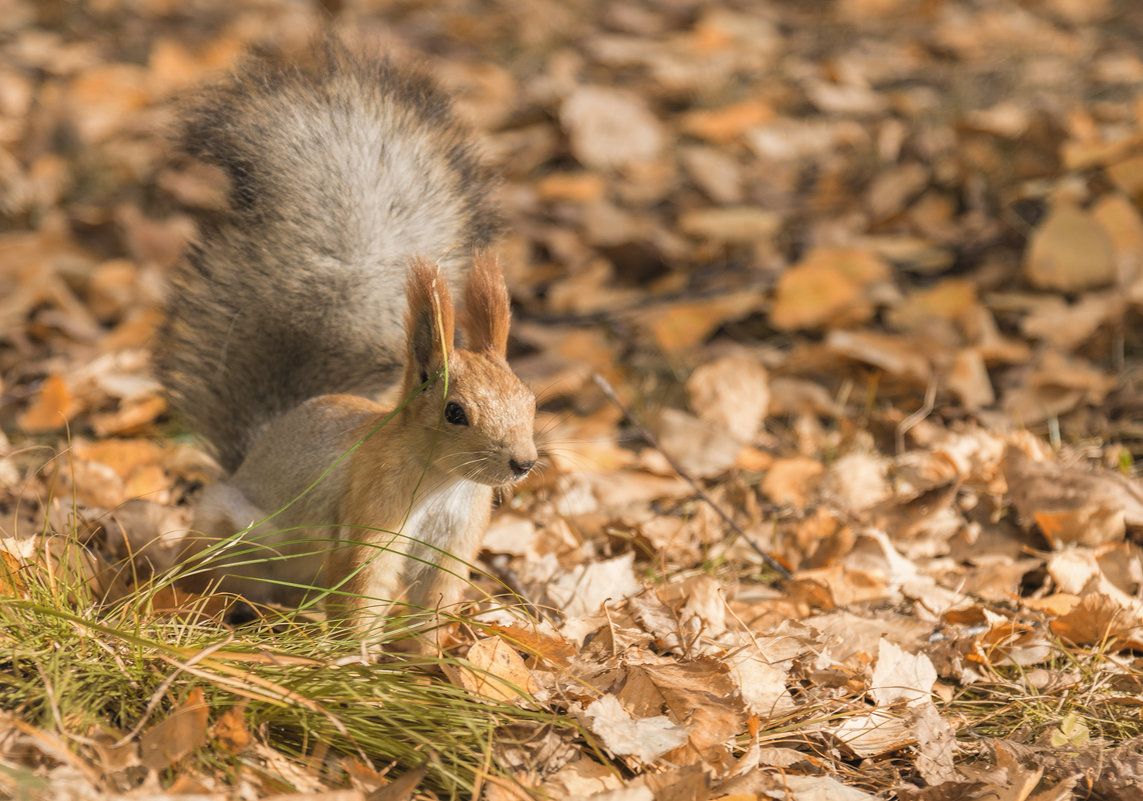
{"points": [[700, 448], [610, 127], [731, 393], [1070, 252], [230, 729], [178, 734], [647, 739], [497, 672], [901, 677], [1071, 505], [1107, 621], [53, 408], [698, 696]]}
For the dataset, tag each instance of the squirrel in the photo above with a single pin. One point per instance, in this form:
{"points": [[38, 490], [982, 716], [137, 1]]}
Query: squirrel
{"points": [[357, 208]]}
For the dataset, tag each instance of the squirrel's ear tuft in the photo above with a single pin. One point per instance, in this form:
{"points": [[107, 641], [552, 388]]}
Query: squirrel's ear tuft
{"points": [[429, 320], [486, 306]]}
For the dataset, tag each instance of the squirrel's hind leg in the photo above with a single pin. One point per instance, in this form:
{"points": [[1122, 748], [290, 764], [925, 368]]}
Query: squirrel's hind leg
{"points": [[222, 513]]}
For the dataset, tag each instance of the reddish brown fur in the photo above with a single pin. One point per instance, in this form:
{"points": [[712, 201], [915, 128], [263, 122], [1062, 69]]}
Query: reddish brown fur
{"points": [[486, 306], [429, 318]]}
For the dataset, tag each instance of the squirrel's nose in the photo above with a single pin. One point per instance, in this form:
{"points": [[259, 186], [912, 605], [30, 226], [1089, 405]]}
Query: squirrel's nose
{"points": [[520, 469]]}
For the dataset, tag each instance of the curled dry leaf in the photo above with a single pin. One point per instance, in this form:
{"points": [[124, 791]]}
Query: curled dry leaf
{"points": [[698, 695], [902, 358], [1070, 252], [179, 734], [585, 588], [53, 408], [1071, 505], [230, 729], [610, 127], [700, 448], [497, 672], [1110, 621], [647, 739], [901, 677], [731, 393]]}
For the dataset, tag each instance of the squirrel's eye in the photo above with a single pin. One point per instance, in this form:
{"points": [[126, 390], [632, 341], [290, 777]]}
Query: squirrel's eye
{"points": [[454, 413]]}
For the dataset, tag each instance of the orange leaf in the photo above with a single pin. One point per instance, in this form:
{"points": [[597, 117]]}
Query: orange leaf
{"points": [[53, 408], [230, 729], [172, 739], [547, 647], [725, 124]]}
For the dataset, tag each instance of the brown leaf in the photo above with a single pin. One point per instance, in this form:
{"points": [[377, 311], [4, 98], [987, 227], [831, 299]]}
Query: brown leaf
{"points": [[702, 450], [552, 649], [103, 98], [699, 696], [936, 744], [825, 289], [497, 671], [124, 456], [789, 481], [230, 729], [646, 738], [904, 358], [401, 788], [1072, 505], [1106, 621], [732, 393], [131, 417], [726, 124], [179, 734], [610, 127], [952, 299], [1068, 325], [580, 187], [968, 378], [53, 408], [871, 734], [684, 325], [731, 223], [1069, 252]]}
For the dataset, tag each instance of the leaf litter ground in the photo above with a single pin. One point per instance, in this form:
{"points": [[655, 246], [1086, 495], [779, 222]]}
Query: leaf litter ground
{"points": [[867, 271]]}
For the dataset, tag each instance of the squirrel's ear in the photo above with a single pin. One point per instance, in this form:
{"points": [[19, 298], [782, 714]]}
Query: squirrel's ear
{"points": [[486, 306], [429, 321]]}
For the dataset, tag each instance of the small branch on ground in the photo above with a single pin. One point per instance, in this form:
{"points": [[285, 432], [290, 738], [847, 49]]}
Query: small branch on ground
{"points": [[649, 438]]}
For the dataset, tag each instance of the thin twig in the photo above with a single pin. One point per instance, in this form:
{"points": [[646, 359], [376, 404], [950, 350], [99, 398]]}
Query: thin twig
{"points": [[907, 425], [650, 440]]}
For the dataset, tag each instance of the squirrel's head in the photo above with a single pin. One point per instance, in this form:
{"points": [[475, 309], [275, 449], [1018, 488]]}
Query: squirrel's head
{"points": [[476, 413]]}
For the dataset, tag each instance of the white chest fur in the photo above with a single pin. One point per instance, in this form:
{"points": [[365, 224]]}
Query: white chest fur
{"points": [[441, 516], [427, 554]]}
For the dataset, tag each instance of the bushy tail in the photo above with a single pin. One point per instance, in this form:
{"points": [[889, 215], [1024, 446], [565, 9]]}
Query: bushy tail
{"points": [[340, 172]]}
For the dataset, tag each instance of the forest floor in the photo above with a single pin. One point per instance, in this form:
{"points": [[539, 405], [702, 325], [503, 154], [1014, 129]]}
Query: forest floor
{"points": [[852, 283]]}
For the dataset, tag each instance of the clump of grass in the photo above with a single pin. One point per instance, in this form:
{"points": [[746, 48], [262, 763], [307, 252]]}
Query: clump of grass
{"points": [[1077, 696], [92, 674]]}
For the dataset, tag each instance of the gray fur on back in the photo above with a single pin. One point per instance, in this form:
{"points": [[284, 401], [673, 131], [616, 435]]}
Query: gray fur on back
{"points": [[340, 171]]}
